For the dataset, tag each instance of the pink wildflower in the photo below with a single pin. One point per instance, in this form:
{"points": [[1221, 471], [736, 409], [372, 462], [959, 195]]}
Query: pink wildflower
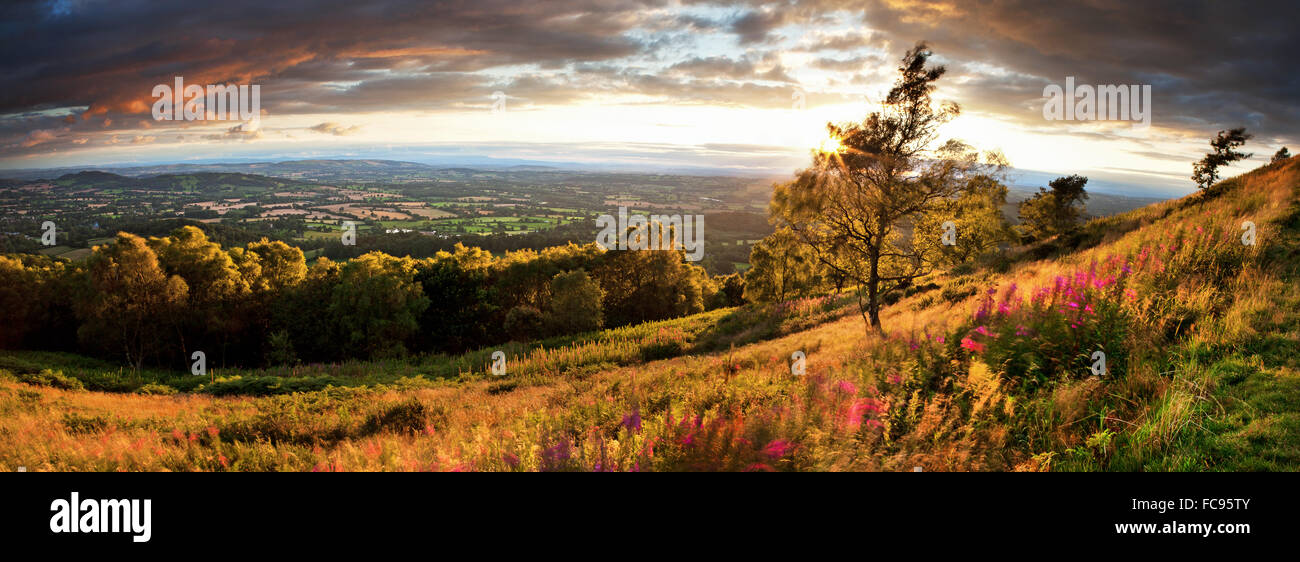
{"points": [[777, 448], [632, 421]]}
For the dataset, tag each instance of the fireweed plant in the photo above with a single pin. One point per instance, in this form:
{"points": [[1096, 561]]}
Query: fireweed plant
{"points": [[1037, 335]]}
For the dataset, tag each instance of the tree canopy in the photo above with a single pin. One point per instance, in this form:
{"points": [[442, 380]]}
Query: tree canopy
{"points": [[862, 207]]}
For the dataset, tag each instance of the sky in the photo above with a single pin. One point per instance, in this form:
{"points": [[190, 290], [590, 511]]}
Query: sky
{"points": [[743, 87]]}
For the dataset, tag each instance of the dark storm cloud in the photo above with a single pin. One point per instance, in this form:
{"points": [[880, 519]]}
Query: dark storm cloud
{"points": [[1211, 64], [108, 55]]}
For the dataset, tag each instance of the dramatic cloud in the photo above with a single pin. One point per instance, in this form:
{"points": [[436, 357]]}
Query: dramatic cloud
{"points": [[78, 75]]}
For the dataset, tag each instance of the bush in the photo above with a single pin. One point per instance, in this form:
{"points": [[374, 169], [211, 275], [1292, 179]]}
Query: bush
{"points": [[76, 423], [661, 350], [154, 388], [958, 291], [54, 379], [502, 387], [410, 416], [266, 386]]}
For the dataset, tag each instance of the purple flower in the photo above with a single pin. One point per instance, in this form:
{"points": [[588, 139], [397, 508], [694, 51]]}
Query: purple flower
{"points": [[847, 387], [559, 452], [777, 448], [632, 421]]}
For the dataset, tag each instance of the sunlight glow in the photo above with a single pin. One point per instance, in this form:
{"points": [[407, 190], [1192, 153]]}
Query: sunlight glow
{"points": [[831, 144]]}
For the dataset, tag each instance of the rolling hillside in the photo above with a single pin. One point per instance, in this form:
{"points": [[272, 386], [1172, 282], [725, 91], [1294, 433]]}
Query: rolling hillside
{"points": [[990, 370]]}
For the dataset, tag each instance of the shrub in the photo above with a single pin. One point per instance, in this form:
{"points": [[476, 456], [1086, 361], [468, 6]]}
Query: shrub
{"points": [[154, 388], [410, 416], [55, 379], [661, 350], [502, 387], [77, 423]]}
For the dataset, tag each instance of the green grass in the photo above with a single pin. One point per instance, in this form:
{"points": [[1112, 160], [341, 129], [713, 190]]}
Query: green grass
{"points": [[530, 363]]}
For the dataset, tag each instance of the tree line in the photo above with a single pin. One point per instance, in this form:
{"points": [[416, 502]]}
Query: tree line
{"points": [[156, 300]]}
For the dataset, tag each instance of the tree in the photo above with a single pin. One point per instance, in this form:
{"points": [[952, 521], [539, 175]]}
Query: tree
{"points": [[978, 223], [1282, 154], [858, 206], [524, 323], [215, 312], [1054, 211], [18, 302], [781, 268], [282, 265], [130, 300], [459, 295], [314, 336], [208, 270], [642, 285], [377, 304], [731, 291], [1206, 171], [576, 303]]}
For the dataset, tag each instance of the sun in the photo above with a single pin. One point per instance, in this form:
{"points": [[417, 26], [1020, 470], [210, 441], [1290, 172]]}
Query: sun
{"points": [[831, 144]]}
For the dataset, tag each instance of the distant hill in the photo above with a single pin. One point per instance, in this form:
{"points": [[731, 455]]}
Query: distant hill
{"points": [[1098, 204], [199, 181]]}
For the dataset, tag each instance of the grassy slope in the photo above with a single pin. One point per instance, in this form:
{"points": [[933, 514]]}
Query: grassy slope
{"points": [[1208, 379]]}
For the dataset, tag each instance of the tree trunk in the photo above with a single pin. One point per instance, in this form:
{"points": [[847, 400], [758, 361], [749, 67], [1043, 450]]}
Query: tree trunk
{"points": [[873, 291]]}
